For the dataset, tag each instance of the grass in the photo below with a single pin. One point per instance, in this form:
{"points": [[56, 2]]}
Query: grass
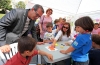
{"points": [[1, 15]]}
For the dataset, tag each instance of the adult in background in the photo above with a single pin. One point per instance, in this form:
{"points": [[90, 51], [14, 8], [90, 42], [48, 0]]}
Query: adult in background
{"points": [[17, 23], [44, 20]]}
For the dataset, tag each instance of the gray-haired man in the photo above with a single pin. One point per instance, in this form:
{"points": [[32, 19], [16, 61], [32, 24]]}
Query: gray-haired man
{"points": [[19, 22]]}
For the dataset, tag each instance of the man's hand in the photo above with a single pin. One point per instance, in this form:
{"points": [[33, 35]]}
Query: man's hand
{"points": [[50, 57], [5, 48], [39, 43], [63, 51]]}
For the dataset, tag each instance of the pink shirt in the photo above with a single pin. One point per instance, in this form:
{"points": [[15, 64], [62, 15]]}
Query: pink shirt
{"points": [[96, 31], [43, 21]]}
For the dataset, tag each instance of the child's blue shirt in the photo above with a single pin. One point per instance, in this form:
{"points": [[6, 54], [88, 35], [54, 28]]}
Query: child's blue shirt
{"points": [[82, 45]]}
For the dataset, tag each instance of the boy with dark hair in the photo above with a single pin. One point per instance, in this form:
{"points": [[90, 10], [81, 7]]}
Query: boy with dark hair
{"points": [[49, 35], [83, 42], [94, 58], [26, 51]]}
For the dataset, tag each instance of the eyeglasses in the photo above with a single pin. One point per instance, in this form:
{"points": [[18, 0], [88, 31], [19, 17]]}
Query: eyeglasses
{"points": [[37, 15], [66, 27]]}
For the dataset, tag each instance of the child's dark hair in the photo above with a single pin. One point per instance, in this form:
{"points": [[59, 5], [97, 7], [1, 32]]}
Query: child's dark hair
{"points": [[86, 23], [64, 19], [26, 43], [49, 24], [96, 38], [56, 21]]}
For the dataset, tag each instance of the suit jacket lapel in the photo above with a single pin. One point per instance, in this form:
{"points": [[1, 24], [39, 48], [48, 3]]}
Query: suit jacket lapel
{"points": [[25, 18], [31, 25]]}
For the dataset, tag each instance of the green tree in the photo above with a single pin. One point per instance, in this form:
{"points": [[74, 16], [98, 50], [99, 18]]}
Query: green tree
{"points": [[5, 5], [20, 4]]}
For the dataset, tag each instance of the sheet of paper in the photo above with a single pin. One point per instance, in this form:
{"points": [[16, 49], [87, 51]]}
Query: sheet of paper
{"points": [[51, 49]]}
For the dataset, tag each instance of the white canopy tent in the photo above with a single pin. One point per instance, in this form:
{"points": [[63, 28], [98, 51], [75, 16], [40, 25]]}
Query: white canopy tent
{"points": [[70, 8]]}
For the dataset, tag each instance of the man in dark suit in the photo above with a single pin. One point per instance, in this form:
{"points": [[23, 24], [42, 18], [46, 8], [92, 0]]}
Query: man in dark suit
{"points": [[13, 24]]}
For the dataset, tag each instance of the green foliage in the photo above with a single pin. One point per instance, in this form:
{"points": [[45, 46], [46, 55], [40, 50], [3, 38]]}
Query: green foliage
{"points": [[5, 4], [20, 4]]}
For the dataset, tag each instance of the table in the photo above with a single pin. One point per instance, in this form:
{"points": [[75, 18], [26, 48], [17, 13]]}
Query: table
{"points": [[57, 56]]}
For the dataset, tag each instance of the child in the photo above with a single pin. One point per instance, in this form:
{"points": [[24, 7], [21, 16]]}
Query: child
{"points": [[82, 44], [96, 29], [94, 58], [25, 52], [49, 35], [57, 23], [75, 33]]}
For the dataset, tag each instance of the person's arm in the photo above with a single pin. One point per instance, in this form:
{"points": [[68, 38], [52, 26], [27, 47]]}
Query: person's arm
{"points": [[99, 32], [70, 49], [46, 41], [41, 23], [77, 44], [58, 28], [5, 48], [56, 38], [34, 34], [6, 21], [32, 29], [50, 57], [40, 26]]}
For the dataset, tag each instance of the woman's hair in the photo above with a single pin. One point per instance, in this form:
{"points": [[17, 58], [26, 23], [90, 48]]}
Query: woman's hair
{"points": [[26, 43], [85, 22], [49, 24], [68, 32], [56, 21], [96, 38], [49, 9]]}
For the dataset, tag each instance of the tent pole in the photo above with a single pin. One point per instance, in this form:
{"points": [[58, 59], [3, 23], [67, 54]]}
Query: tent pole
{"points": [[78, 7]]}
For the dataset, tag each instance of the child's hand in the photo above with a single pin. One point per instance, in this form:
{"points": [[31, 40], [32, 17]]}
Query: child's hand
{"points": [[63, 51], [53, 45], [39, 43], [5, 48], [50, 57], [67, 44], [52, 39]]}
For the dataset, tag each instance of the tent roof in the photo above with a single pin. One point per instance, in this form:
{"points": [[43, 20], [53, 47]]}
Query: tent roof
{"points": [[69, 7]]}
